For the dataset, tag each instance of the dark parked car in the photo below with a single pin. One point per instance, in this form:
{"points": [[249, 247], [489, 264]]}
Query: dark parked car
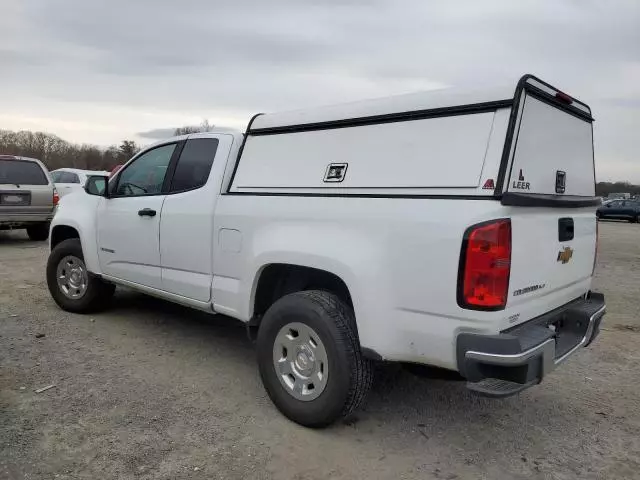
{"points": [[621, 210]]}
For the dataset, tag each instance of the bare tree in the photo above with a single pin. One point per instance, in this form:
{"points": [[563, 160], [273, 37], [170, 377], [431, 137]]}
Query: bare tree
{"points": [[204, 126]]}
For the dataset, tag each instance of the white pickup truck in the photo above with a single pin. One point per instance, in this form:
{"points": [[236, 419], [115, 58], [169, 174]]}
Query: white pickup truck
{"points": [[455, 230]]}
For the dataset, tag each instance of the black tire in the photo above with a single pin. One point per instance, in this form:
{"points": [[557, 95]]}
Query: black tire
{"points": [[98, 293], [350, 375], [38, 232]]}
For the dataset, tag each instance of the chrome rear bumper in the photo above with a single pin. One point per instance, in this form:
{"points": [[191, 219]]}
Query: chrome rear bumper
{"points": [[524, 355]]}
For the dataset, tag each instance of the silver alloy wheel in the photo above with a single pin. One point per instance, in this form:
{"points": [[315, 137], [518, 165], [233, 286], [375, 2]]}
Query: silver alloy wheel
{"points": [[72, 277], [300, 361]]}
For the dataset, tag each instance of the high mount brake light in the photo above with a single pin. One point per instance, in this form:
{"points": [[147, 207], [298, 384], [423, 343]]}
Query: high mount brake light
{"points": [[485, 266], [564, 98]]}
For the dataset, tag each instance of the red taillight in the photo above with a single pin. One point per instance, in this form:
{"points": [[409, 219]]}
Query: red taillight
{"points": [[483, 283], [56, 197]]}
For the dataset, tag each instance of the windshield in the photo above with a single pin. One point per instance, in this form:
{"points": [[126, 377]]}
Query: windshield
{"points": [[22, 172]]}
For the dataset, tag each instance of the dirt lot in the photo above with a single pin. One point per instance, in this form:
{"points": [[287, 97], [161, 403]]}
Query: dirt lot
{"points": [[152, 390]]}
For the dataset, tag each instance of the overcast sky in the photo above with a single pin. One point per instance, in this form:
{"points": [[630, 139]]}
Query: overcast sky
{"points": [[98, 71]]}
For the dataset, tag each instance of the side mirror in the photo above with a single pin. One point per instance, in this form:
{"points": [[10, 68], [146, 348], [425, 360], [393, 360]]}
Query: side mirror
{"points": [[608, 205], [97, 185]]}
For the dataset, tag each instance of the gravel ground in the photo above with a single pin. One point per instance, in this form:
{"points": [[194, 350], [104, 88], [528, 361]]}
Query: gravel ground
{"points": [[149, 390]]}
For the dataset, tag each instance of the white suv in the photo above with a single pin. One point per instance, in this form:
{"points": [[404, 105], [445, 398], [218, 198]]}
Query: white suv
{"points": [[70, 180]]}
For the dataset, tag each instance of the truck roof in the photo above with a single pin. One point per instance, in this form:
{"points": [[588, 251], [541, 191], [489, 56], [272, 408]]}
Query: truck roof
{"points": [[430, 100], [446, 97]]}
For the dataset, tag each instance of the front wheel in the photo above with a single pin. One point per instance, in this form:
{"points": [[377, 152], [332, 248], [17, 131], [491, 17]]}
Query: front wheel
{"points": [[310, 359], [72, 287]]}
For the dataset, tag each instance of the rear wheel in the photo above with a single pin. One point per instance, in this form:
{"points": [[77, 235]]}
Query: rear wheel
{"points": [[69, 282], [310, 360], [38, 232]]}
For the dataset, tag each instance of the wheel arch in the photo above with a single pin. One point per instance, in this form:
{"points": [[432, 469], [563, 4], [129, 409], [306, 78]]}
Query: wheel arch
{"points": [[60, 233], [66, 230], [275, 280]]}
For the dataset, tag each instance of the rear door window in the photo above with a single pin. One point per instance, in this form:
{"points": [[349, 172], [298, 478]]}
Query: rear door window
{"points": [[65, 177], [22, 172], [69, 177], [194, 165]]}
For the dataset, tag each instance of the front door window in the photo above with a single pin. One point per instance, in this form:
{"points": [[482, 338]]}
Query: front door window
{"points": [[145, 175]]}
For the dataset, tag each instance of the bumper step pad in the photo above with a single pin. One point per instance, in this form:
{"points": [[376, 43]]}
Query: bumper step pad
{"points": [[496, 388]]}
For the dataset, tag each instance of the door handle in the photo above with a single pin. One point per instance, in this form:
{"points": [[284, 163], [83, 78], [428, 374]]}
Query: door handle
{"points": [[147, 212], [565, 229]]}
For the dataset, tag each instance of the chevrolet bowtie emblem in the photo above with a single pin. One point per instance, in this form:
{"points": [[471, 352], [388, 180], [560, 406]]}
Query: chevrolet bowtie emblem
{"points": [[565, 255]]}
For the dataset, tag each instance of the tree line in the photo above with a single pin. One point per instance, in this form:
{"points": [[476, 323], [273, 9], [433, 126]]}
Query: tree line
{"points": [[56, 153]]}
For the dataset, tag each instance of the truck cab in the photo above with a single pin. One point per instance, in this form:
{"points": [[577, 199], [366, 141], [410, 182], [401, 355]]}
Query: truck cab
{"points": [[449, 229]]}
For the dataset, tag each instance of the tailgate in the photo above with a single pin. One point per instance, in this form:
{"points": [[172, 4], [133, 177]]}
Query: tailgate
{"points": [[552, 249], [28, 199], [11, 197]]}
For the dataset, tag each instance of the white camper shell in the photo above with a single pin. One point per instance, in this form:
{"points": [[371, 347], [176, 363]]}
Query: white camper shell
{"points": [[495, 144]]}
